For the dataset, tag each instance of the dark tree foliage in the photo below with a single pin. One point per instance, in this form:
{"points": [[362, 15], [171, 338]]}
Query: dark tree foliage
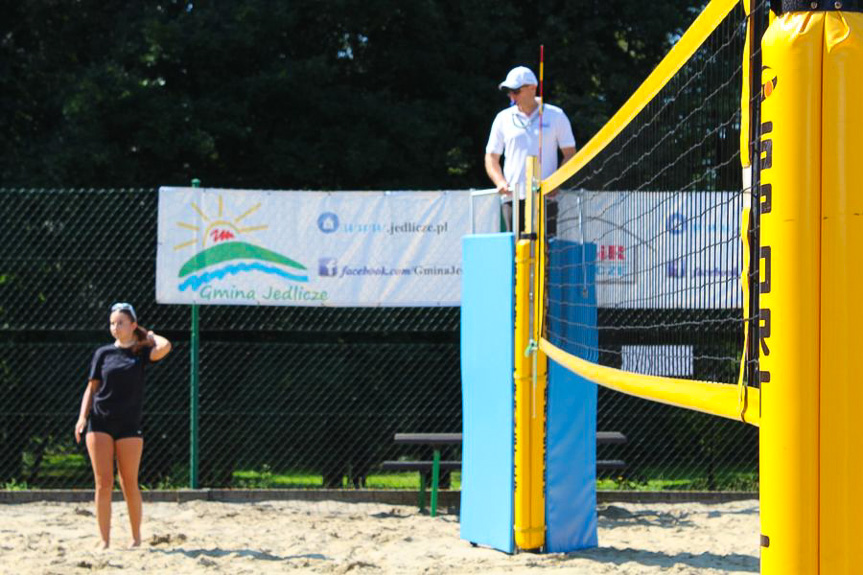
{"points": [[336, 94]]}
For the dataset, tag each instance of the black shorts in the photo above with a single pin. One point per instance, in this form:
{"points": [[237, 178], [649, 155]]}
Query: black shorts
{"points": [[116, 428]]}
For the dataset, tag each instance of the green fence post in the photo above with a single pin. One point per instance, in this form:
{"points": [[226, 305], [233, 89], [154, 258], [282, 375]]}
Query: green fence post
{"points": [[193, 390], [435, 481]]}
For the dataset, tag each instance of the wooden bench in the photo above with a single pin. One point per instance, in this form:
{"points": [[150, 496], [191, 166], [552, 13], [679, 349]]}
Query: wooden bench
{"points": [[435, 466]]}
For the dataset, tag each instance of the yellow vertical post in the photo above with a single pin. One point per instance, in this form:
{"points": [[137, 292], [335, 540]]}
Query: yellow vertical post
{"points": [[841, 307], [540, 363], [529, 525], [790, 293], [524, 536]]}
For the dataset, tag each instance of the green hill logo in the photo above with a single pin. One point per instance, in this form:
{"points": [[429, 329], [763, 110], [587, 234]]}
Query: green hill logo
{"points": [[222, 251]]}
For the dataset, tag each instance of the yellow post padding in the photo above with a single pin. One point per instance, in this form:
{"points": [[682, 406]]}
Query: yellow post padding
{"points": [[790, 293], [537, 447], [841, 437], [527, 534]]}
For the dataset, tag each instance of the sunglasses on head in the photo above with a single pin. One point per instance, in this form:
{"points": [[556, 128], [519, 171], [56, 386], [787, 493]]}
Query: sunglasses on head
{"points": [[125, 307]]}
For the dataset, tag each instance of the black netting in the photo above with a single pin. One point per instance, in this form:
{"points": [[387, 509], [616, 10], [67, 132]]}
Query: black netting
{"points": [[659, 209], [289, 397], [645, 268]]}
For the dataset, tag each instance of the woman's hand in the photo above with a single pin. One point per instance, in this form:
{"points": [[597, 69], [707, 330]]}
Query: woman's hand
{"points": [[79, 429], [159, 346]]}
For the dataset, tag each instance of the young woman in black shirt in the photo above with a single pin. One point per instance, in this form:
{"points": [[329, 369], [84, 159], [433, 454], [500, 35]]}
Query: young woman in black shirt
{"points": [[111, 412]]}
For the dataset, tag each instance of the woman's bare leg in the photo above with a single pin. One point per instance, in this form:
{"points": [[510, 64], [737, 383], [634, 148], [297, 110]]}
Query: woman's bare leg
{"points": [[129, 451], [101, 449]]}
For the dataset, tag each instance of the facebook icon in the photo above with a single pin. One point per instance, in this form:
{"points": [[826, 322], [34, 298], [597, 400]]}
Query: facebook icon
{"points": [[327, 267]]}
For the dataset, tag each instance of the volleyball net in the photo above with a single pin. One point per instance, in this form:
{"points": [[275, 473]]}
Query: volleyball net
{"points": [[645, 276]]}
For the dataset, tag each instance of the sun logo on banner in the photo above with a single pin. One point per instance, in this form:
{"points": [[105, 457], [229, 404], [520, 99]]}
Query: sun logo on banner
{"points": [[222, 251]]}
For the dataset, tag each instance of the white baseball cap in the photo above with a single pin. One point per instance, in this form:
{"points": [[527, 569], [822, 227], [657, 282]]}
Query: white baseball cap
{"points": [[518, 77]]}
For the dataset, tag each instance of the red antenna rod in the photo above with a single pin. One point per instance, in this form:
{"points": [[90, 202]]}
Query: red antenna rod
{"points": [[540, 214], [541, 73]]}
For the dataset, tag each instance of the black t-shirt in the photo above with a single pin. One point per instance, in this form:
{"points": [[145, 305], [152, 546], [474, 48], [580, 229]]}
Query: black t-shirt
{"points": [[121, 395]]}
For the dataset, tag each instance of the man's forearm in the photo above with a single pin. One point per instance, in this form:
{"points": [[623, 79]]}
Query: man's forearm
{"points": [[494, 171]]}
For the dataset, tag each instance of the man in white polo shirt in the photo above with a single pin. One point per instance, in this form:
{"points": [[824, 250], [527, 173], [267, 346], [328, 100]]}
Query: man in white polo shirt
{"points": [[515, 135]]}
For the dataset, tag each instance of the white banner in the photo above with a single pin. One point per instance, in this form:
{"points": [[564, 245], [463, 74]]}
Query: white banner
{"points": [[240, 247], [660, 249]]}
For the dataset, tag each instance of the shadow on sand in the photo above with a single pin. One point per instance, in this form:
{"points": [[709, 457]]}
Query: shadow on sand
{"points": [[733, 562], [217, 553]]}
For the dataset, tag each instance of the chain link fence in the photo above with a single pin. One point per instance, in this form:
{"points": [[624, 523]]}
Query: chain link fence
{"points": [[289, 397]]}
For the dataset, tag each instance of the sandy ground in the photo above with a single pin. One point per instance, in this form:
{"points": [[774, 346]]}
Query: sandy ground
{"points": [[324, 537]]}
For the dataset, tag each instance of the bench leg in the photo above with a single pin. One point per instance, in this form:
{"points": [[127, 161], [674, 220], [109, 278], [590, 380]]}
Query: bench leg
{"points": [[422, 494], [435, 481]]}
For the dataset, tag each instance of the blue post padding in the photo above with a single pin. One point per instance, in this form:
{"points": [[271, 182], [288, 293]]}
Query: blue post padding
{"points": [[487, 390], [571, 415], [571, 317]]}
